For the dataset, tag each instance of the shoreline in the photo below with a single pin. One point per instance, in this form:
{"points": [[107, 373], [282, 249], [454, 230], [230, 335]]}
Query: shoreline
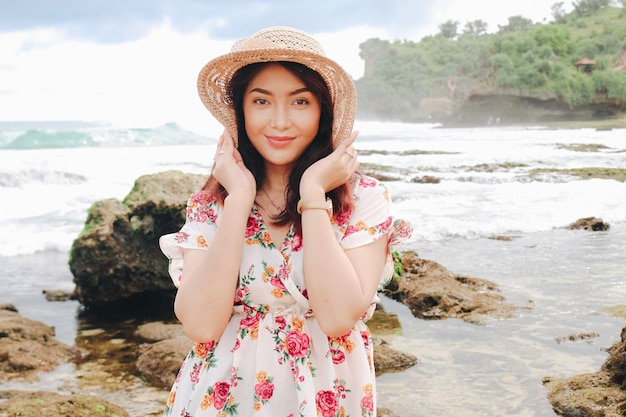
{"points": [[600, 124]]}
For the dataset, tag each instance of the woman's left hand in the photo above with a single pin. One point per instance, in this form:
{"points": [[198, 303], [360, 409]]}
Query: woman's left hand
{"points": [[332, 171]]}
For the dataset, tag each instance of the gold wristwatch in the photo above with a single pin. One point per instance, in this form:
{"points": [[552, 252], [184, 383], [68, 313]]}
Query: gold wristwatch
{"points": [[327, 205]]}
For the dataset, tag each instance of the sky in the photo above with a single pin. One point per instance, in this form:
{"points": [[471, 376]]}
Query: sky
{"points": [[136, 61]]}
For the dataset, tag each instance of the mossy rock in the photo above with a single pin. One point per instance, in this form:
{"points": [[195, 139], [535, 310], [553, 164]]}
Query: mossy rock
{"points": [[49, 404]]}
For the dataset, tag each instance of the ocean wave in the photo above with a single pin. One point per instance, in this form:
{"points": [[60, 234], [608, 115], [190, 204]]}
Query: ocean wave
{"points": [[24, 177], [60, 136]]}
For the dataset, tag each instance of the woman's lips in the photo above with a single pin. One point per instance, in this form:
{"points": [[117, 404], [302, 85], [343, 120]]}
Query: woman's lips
{"points": [[280, 141]]}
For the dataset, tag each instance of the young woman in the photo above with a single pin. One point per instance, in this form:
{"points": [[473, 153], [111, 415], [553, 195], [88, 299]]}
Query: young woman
{"points": [[284, 249]]}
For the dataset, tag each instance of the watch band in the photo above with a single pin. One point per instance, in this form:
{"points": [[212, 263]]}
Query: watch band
{"points": [[327, 206]]}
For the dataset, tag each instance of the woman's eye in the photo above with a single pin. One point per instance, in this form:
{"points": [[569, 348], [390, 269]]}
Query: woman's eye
{"points": [[301, 101], [260, 101]]}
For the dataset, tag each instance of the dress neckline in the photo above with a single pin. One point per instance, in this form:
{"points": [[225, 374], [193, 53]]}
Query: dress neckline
{"points": [[263, 225]]}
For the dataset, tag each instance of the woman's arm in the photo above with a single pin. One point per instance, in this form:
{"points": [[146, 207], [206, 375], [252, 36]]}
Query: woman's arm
{"points": [[340, 284], [205, 297], [204, 301]]}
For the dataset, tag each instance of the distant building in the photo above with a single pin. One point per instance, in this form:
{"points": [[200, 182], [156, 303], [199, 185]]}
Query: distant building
{"points": [[585, 65]]}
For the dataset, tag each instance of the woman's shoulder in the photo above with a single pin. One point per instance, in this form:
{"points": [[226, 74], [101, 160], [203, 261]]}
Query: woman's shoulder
{"points": [[202, 197], [364, 186], [203, 207]]}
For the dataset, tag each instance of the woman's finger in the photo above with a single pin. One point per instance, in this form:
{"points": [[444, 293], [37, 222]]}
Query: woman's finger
{"points": [[227, 144], [347, 148], [345, 144]]}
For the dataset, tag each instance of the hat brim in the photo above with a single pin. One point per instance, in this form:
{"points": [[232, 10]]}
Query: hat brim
{"points": [[214, 79]]}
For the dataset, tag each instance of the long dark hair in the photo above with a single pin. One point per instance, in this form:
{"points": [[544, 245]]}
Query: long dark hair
{"points": [[320, 147]]}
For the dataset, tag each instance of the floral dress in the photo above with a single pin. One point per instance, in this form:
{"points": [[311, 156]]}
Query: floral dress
{"points": [[273, 359]]}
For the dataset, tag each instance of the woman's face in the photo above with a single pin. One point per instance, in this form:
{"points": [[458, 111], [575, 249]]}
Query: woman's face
{"points": [[281, 115]]}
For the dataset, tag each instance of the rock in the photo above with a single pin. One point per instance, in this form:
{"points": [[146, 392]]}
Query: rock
{"points": [[28, 347], [116, 259], [427, 179], [590, 223], [586, 395], [617, 311], [387, 359], [385, 412], [49, 404], [8, 307], [59, 295], [600, 394], [502, 238], [615, 364], [157, 331], [576, 337], [160, 362], [432, 292], [383, 323]]}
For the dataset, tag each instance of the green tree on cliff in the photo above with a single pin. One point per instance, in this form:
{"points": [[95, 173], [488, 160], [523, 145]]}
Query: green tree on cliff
{"points": [[589, 7], [522, 58]]}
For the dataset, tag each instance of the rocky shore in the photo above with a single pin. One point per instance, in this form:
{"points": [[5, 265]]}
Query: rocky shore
{"points": [[120, 273]]}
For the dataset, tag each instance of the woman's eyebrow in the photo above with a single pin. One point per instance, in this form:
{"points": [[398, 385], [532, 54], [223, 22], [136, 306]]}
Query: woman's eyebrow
{"points": [[300, 90], [261, 90], [269, 93]]}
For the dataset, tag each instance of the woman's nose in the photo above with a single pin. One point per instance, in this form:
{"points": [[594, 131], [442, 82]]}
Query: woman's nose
{"points": [[280, 117]]}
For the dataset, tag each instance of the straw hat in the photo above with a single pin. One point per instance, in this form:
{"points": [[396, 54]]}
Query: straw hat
{"points": [[270, 45]]}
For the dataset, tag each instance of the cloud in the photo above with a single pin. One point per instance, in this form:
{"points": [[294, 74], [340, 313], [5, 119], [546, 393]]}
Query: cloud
{"points": [[111, 21], [137, 60]]}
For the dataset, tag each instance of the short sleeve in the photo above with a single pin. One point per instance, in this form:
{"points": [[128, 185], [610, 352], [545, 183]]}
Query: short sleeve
{"points": [[200, 224], [371, 220]]}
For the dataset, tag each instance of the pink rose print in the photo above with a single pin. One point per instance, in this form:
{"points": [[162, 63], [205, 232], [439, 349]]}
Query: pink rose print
{"points": [[341, 389], [202, 197], [350, 230], [237, 344], [194, 376], [240, 293], [252, 227], [280, 320], [264, 390], [200, 216], [338, 356], [220, 394], [384, 227], [296, 243], [343, 217], [297, 344], [326, 403], [276, 282], [181, 237], [367, 182], [283, 272], [366, 338], [367, 402], [250, 321], [401, 230]]}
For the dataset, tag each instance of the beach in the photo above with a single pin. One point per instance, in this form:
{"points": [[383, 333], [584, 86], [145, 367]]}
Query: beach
{"points": [[515, 182]]}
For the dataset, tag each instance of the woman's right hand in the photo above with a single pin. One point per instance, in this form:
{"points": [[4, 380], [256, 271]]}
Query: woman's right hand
{"points": [[230, 171]]}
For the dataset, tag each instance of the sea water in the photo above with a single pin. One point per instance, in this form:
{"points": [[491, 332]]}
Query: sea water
{"points": [[487, 185]]}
